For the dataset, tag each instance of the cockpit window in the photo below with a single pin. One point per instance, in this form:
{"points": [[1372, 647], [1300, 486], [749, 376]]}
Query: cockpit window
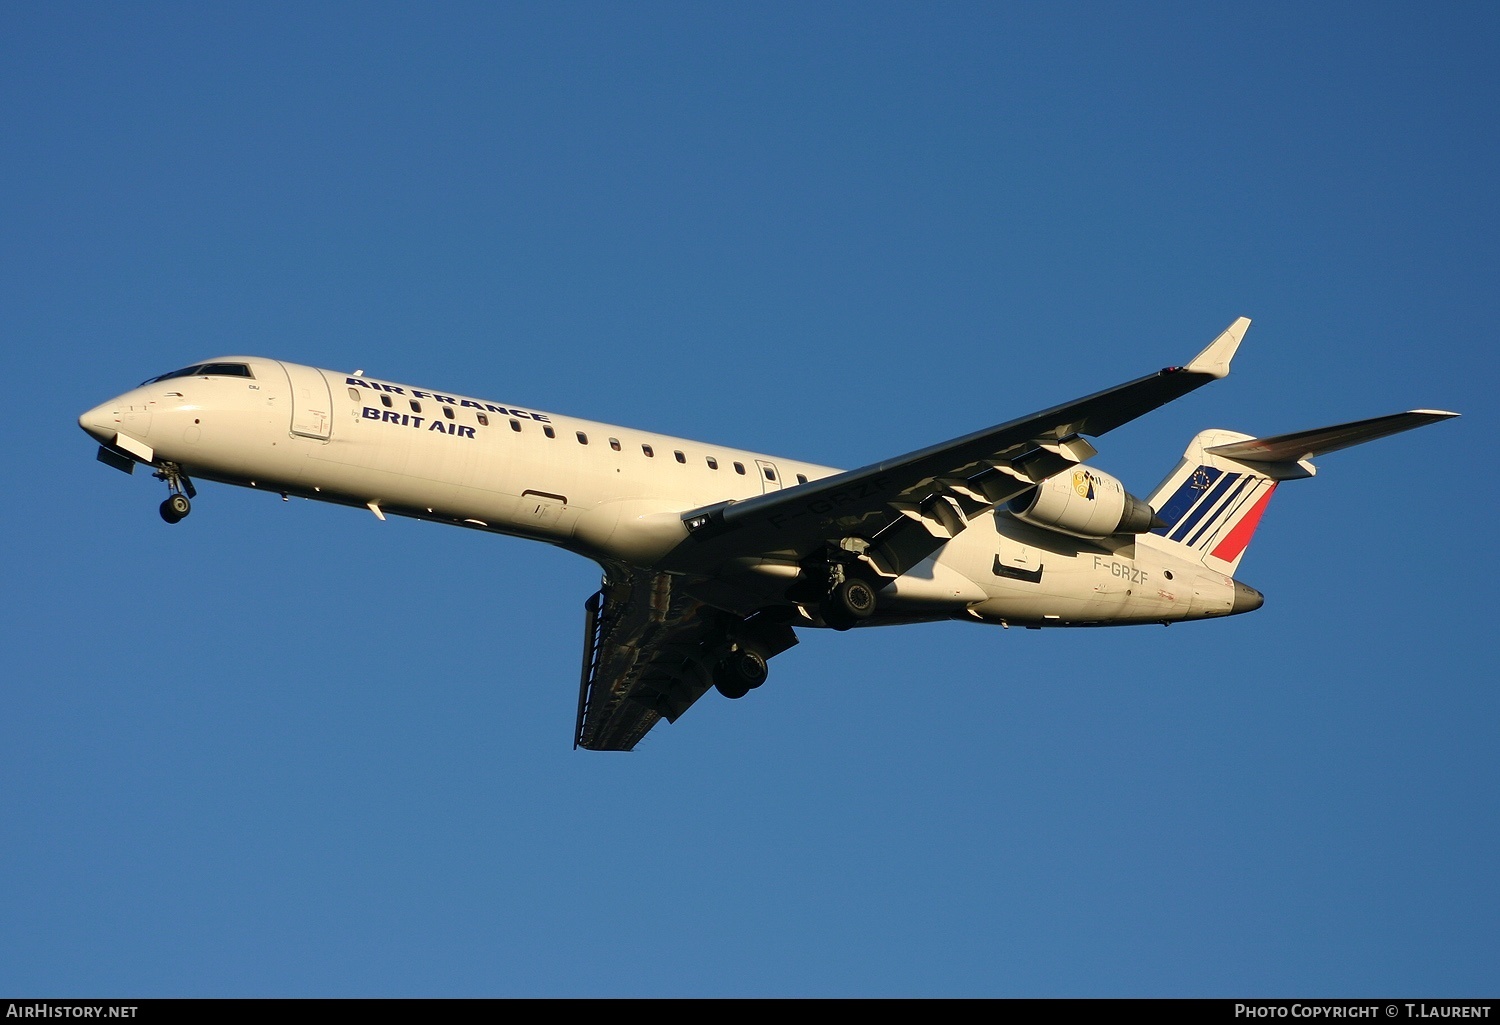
{"points": [[184, 372], [224, 370], [206, 370]]}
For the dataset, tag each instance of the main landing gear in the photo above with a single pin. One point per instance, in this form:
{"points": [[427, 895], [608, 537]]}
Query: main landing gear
{"points": [[737, 665], [850, 599], [739, 672], [178, 503], [838, 587]]}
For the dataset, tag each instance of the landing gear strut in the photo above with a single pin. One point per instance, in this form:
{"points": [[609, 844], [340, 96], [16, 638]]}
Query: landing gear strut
{"points": [[177, 504]]}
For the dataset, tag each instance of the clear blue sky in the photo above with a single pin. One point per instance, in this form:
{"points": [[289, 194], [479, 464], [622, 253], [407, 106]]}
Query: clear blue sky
{"points": [[283, 749]]}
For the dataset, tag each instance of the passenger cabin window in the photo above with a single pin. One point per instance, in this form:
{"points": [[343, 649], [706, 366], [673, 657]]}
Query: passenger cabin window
{"points": [[649, 453], [801, 478], [614, 443], [448, 412], [515, 425], [680, 457], [583, 439], [484, 421], [354, 394], [416, 407], [739, 467], [713, 464], [770, 473], [549, 432], [385, 400]]}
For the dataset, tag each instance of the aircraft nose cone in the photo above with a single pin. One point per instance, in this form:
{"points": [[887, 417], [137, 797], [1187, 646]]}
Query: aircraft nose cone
{"points": [[100, 422], [1246, 599]]}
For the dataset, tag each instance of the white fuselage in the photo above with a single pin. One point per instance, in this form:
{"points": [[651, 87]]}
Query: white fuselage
{"points": [[608, 493]]}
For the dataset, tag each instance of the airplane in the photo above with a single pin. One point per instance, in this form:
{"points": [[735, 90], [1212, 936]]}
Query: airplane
{"points": [[714, 557]]}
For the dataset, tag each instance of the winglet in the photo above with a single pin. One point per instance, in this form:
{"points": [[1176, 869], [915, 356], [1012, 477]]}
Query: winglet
{"points": [[1214, 360]]}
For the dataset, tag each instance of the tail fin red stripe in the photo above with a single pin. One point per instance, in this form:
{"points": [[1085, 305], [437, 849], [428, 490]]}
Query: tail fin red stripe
{"points": [[1234, 543]]}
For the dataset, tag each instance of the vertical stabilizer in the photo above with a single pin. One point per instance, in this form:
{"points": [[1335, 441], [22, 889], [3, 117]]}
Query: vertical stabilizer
{"points": [[1212, 504]]}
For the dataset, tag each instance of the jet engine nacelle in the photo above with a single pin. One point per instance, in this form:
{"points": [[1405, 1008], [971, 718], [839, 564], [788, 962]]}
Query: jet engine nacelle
{"points": [[1086, 503]]}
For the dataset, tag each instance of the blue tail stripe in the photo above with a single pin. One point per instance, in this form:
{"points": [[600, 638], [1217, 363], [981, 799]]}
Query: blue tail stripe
{"points": [[1209, 501], [1183, 498], [1227, 508]]}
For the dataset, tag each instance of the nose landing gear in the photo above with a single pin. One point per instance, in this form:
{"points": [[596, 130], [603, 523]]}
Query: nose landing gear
{"points": [[177, 504]]}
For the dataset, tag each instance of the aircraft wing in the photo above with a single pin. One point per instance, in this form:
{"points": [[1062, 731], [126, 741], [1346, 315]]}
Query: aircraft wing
{"points": [[910, 506], [642, 658]]}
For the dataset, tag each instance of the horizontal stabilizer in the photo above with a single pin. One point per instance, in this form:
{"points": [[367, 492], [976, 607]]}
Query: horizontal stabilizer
{"points": [[1213, 501], [1290, 448]]}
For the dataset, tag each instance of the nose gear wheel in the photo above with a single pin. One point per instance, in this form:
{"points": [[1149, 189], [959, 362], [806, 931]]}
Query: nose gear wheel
{"points": [[177, 504], [175, 508]]}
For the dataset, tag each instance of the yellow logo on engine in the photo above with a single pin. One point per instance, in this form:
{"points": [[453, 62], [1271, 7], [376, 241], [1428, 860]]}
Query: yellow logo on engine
{"points": [[1083, 483]]}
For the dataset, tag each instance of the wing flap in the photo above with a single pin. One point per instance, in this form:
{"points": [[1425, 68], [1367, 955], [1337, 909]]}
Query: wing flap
{"points": [[642, 659]]}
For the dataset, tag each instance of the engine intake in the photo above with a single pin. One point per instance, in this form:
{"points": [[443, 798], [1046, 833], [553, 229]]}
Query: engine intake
{"points": [[1084, 502]]}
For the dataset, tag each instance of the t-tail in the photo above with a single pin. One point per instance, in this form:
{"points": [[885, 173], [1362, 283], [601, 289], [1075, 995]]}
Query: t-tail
{"points": [[1214, 499]]}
